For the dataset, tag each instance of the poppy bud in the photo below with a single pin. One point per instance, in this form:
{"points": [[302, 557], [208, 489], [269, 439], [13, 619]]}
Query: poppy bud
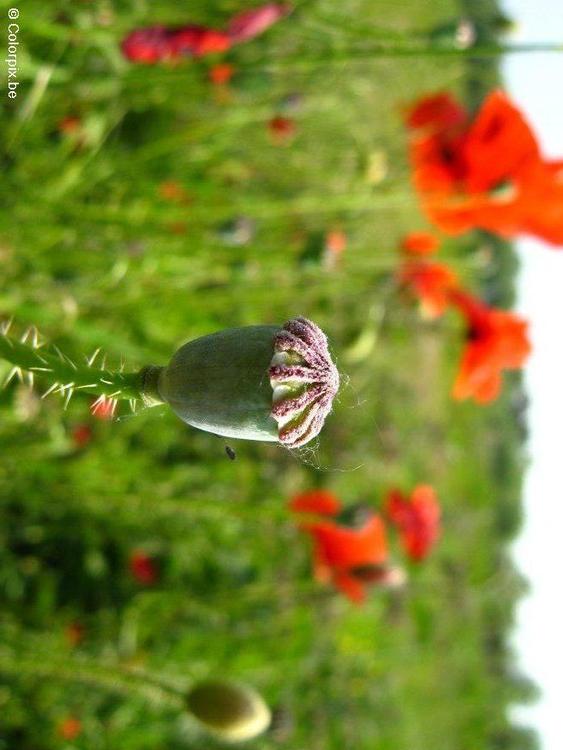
{"points": [[266, 383], [229, 710]]}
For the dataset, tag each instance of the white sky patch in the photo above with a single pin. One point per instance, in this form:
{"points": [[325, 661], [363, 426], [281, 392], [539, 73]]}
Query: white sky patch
{"points": [[535, 81]]}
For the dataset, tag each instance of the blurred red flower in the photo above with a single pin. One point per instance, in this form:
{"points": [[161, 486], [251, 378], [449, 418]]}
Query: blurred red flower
{"points": [[317, 502], [143, 568], [435, 112], [430, 282], [417, 518], [282, 129], [160, 43], [74, 633], [251, 23], [496, 340], [69, 728], [69, 125], [349, 557], [486, 174], [336, 241], [173, 191], [221, 73], [81, 435], [335, 244], [419, 243], [149, 45]]}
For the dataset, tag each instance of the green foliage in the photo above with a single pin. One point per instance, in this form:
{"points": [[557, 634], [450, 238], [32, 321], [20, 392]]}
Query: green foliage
{"points": [[99, 252]]}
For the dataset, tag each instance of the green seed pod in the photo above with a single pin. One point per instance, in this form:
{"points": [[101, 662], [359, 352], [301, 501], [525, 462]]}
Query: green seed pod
{"points": [[231, 711], [269, 383]]}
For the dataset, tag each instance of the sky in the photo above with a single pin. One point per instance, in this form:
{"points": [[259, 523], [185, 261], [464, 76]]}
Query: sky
{"points": [[535, 82]]}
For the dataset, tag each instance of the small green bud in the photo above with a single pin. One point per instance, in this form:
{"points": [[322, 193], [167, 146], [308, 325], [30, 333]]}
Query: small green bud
{"points": [[267, 383], [231, 711]]}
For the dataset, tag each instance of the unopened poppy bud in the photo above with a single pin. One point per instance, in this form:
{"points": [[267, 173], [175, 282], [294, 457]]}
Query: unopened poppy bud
{"points": [[267, 383], [231, 711]]}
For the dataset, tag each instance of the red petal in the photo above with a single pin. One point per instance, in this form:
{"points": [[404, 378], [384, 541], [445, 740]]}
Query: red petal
{"points": [[321, 502]]}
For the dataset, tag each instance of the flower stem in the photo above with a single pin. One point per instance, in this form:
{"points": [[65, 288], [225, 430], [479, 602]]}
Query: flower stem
{"points": [[66, 376], [111, 678], [345, 55]]}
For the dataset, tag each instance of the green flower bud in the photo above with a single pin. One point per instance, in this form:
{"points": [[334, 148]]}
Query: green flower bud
{"points": [[267, 383], [231, 711]]}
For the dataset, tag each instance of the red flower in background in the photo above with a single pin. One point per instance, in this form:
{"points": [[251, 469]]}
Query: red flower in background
{"points": [[81, 435], [221, 73], [435, 113], [316, 502], [486, 174], [335, 244], [419, 243], [198, 42], [69, 125], [143, 568], [251, 23], [150, 45], [160, 43], [417, 518], [282, 129], [75, 633], [497, 340], [173, 191], [430, 282], [350, 558], [69, 728], [336, 241]]}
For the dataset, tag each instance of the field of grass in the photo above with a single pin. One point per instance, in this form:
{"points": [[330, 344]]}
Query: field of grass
{"points": [[117, 232]]}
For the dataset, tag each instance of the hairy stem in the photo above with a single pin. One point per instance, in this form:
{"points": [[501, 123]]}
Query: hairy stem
{"points": [[347, 55], [64, 375], [112, 678]]}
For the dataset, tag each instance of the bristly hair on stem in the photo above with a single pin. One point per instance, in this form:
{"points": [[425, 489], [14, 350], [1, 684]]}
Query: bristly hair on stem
{"points": [[30, 357]]}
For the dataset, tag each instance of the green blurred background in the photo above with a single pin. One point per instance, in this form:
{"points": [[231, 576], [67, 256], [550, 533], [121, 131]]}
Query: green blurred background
{"points": [[143, 207]]}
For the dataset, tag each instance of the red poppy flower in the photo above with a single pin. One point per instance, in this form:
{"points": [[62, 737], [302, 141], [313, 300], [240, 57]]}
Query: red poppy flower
{"points": [[173, 191], [317, 502], [336, 242], [436, 112], [251, 23], [419, 243], [69, 728], [487, 174], [221, 73], [149, 45], [69, 125], [497, 340], [81, 435], [430, 282], [143, 568], [282, 129], [161, 43], [75, 633], [417, 518], [348, 557], [198, 42]]}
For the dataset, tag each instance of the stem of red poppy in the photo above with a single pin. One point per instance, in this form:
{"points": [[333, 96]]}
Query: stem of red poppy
{"points": [[65, 376], [353, 202], [111, 678], [386, 51]]}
